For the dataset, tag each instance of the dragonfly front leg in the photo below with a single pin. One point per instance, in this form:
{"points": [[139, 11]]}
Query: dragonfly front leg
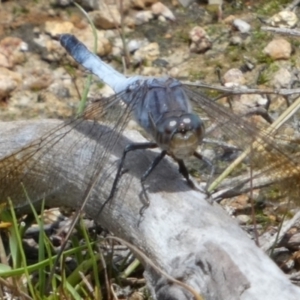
{"points": [[149, 170], [207, 161], [212, 169], [184, 172], [120, 171]]}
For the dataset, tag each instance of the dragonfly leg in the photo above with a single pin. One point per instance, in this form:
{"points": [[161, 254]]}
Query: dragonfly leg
{"points": [[209, 163], [260, 111], [120, 171], [185, 173], [155, 162]]}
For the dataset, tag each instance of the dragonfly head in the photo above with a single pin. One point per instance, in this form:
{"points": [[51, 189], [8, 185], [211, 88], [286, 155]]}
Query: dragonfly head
{"points": [[180, 135]]}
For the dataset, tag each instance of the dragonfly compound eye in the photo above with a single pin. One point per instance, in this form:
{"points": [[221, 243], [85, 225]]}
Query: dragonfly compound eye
{"points": [[171, 126], [191, 122]]}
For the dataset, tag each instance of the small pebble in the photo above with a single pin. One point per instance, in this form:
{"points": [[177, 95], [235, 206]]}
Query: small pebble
{"points": [[135, 44], [294, 242], [160, 9], [243, 219], [201, 42], [56, 27], [236, 40], [147, 54], [241, 25], [282, 78], [278, 49], [234, 77], [284, 19]]}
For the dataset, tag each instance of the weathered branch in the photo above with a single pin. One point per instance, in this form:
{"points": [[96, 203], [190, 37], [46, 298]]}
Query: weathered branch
{"points": [[190, 239], [284, 31]]}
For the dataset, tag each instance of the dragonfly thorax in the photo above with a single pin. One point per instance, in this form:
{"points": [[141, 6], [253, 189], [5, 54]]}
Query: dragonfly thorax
{"points": [[179, 135]]}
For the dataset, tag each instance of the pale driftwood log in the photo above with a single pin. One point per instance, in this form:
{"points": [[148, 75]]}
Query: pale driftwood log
{"points": [[285, 31], [190, 239]]}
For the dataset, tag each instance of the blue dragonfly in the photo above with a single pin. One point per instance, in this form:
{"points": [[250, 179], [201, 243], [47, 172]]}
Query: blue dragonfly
{"points": [[166, 109], [159, 105]]}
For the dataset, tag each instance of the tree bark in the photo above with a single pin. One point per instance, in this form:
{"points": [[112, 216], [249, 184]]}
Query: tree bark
{"points": [[181, 232]]}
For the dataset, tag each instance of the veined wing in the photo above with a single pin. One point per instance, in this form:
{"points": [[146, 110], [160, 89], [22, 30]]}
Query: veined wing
{"points": [[94, 139], [268, 156]]}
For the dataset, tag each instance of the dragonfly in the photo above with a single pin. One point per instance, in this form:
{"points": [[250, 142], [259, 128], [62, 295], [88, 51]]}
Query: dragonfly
{"points": [[159, 105], [165, 108]]}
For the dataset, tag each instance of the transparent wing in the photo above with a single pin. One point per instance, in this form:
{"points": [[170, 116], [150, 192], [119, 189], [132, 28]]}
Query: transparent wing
{"points": [[30, 167], [269, 156]]}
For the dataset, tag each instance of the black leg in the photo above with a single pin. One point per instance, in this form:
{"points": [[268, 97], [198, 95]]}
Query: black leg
{"points": [[155, 162], [185, 173], [207, 161], [183, 170], [128, 148], [153, 165], [212, 171]]}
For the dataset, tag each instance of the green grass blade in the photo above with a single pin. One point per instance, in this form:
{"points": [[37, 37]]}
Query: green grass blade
{"points": [[19, 243], [88, 82]]}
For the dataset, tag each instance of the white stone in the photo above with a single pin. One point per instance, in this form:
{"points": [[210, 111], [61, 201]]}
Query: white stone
{"points": [[284, 19], [136, 44], [142, 17], [243, 219], [241, 25]]}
